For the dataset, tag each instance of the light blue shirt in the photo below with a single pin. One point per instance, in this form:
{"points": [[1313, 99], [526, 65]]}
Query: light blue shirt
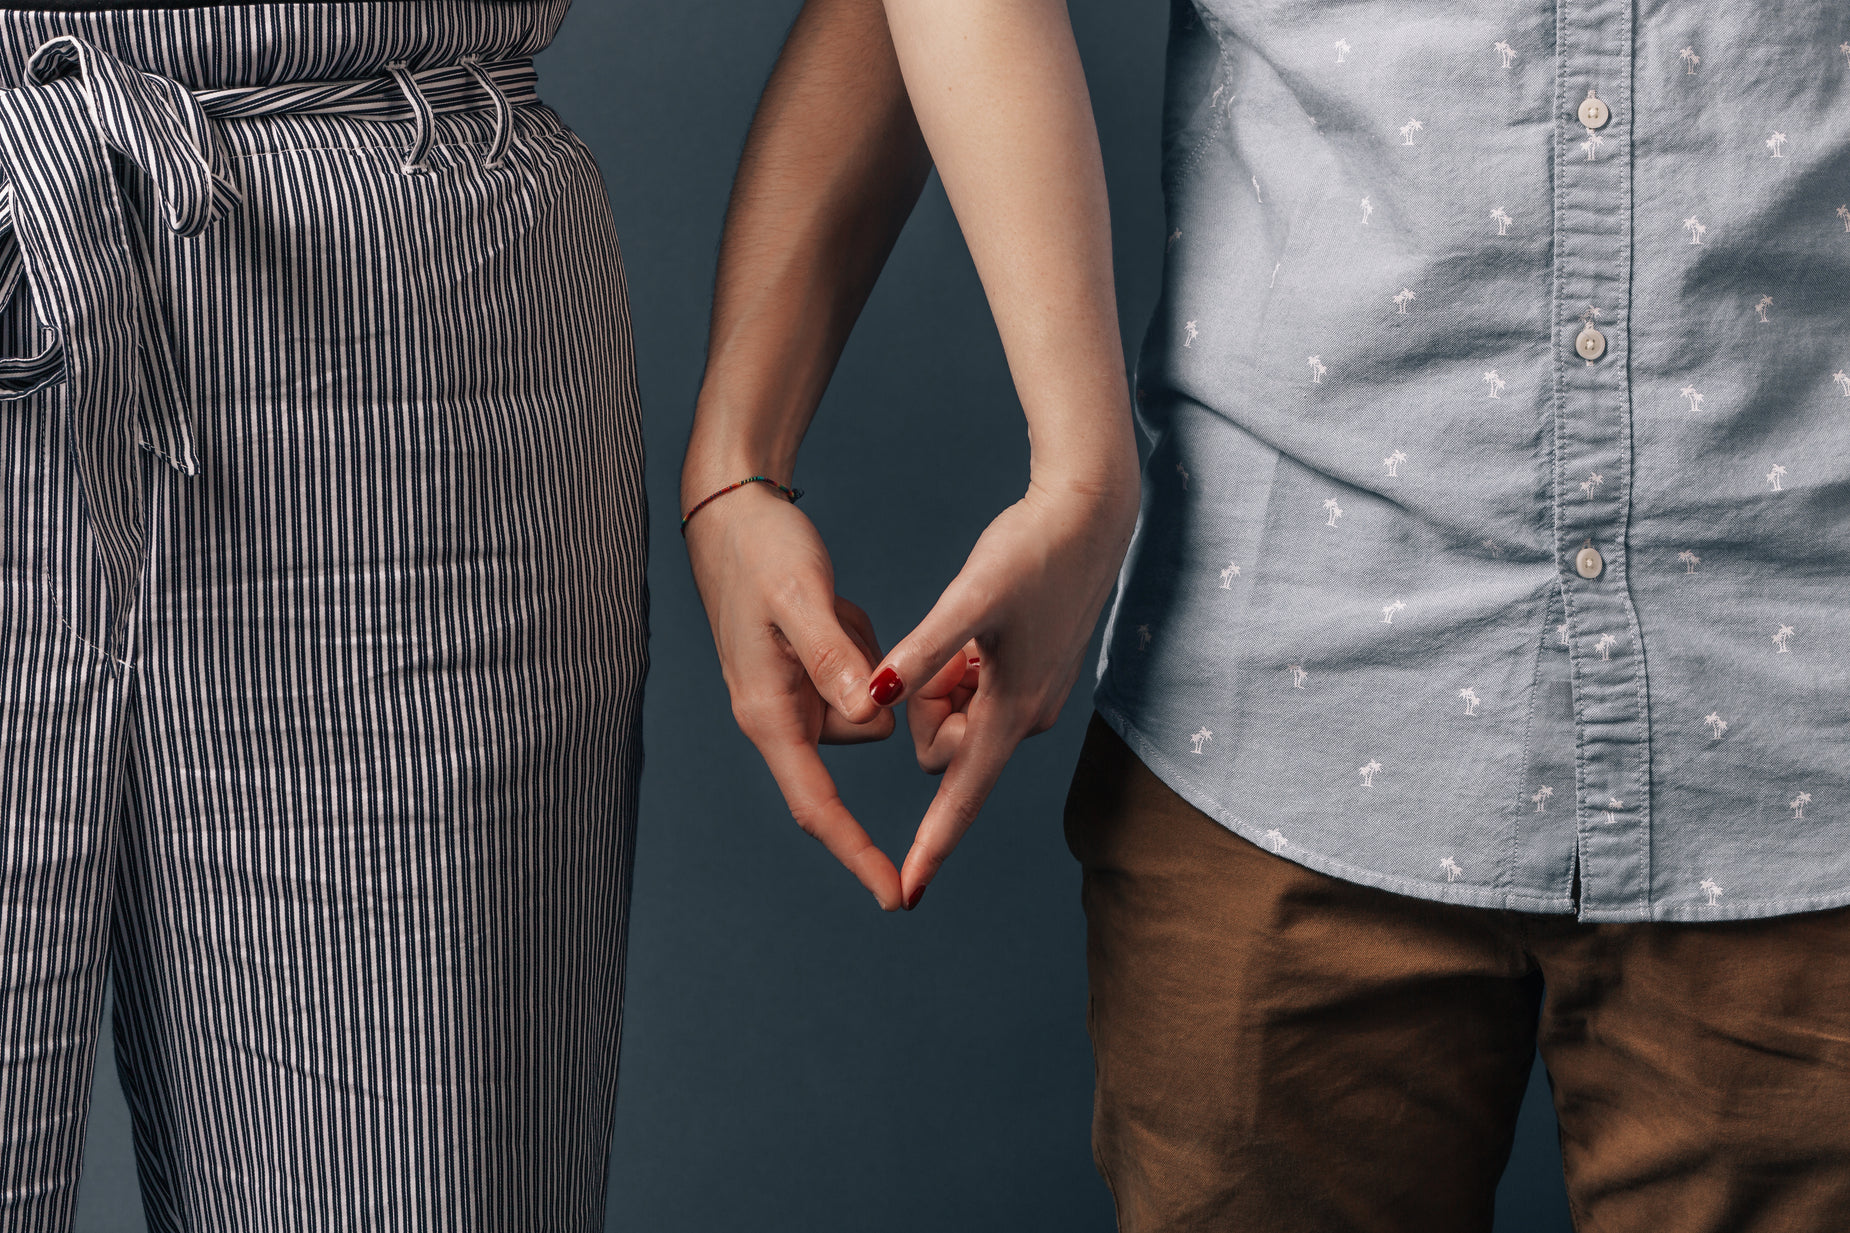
{"points": [[1496, 533]]}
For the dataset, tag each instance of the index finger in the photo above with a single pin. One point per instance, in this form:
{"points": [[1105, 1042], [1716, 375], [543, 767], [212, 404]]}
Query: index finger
{"points": [[987, 743], [810, 793]]}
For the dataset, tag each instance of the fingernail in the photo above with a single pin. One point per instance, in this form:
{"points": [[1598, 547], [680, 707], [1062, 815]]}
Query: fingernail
{"points": [[912, 900], [887, 687]]}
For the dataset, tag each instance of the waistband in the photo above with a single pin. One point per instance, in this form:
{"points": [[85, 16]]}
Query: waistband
{"points": [[63, 226], [274, 43]]}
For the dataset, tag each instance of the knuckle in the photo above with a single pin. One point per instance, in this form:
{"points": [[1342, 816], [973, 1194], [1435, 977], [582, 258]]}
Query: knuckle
{"points": [[962, 809], [827, 661], [755, 714], [794, 591], [808, 819]]}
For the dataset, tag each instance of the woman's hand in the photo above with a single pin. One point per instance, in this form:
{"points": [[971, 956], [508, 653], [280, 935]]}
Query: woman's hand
{"points": [[996, 657], [796, 657]]}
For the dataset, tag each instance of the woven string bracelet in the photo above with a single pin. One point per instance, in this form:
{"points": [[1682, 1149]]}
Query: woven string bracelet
{"points": [[789, 494]]}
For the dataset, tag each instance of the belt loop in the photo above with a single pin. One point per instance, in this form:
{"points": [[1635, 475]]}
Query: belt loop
{"points": [[413, 163], [497, 148]]}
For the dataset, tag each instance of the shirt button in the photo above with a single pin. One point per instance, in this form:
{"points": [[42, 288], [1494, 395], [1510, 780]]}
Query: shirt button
{"points": [[1590, 343], [1589, 562], [1593, 113]]}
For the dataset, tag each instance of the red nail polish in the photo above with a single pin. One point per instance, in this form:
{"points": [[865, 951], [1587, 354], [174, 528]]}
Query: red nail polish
{"points": [[887, 687], [912, 900]]}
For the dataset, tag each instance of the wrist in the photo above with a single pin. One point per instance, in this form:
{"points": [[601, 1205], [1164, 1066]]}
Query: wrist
{"points": [[718, 455], [759, 485], [701, 480], [730, 442], [1109, 486]]}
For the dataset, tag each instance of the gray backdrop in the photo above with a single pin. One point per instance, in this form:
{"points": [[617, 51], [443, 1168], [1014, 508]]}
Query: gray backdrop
{"points": [[794, 1060]]}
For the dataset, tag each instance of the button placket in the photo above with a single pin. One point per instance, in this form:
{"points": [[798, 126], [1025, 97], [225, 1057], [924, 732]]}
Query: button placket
{"points": [[1593, 454]]}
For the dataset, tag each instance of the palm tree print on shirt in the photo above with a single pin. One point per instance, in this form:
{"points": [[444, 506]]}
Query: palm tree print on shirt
{"points": [[1403, 297], [1183, 472], [1276, 838], [1336, 511], [1452, 871], [1342, 51], [1690, 561], [1189, 333], [1317, 369], [1761, 305], [1842, 381], [1471, 699], [1695, 228], [1369, 772], [1797, 804], [1781, 637], [1613, 805], [1228, 575], [1495, 382], [1368, 207], [1843, 212], [1712, 889], [1408, 129], [1199, 737], [1171, 241], [1605, 644], [1776, 143], [1392, 463], [1561, 631], [1592, 144], [1590, 483], [1143, 637], [1689, 57], [1540, 797], [1297, 675], [1694, 395], [1773, 477], [1503, 220], [1717, 725], [1505, 50], [1388, 611]]}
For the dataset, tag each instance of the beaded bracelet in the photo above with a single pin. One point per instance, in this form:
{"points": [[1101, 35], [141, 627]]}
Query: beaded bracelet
{"points": [[789, 494]]}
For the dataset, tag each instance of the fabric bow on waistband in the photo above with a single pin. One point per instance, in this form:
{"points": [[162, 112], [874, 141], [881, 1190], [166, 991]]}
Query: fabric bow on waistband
{"points": [[64, 228], [66, 233]]}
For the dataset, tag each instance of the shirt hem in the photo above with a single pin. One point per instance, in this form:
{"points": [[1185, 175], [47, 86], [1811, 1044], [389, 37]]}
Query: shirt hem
{"points": [[1659, 912], [1192, 792]]}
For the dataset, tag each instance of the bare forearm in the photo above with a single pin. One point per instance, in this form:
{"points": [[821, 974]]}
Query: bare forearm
{"points": [[832, 167], [1000, 95]]}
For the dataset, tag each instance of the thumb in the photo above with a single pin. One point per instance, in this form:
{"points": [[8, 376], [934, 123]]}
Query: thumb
{"points": [[938, 639], [833, 658]]}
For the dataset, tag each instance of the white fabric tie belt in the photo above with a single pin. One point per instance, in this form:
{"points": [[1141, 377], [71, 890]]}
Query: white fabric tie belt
{"points": [[65, 228]]}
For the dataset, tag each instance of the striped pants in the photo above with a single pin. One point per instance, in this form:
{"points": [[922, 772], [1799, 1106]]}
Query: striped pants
{"points": [[322, 617]]}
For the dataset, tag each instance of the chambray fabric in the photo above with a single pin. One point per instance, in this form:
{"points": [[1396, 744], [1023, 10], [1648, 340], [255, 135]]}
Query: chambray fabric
{"points": [[1351, 626]]}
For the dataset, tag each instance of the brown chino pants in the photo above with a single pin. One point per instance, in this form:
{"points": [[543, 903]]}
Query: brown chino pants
{"points": [[1283, 1051]]}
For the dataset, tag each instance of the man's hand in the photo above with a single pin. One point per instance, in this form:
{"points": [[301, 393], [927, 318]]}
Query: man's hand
{"points": [[998, 654]]}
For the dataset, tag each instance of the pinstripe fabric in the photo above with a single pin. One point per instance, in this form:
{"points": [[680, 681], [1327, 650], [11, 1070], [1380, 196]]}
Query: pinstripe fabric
{"points": [[340, 778]]}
